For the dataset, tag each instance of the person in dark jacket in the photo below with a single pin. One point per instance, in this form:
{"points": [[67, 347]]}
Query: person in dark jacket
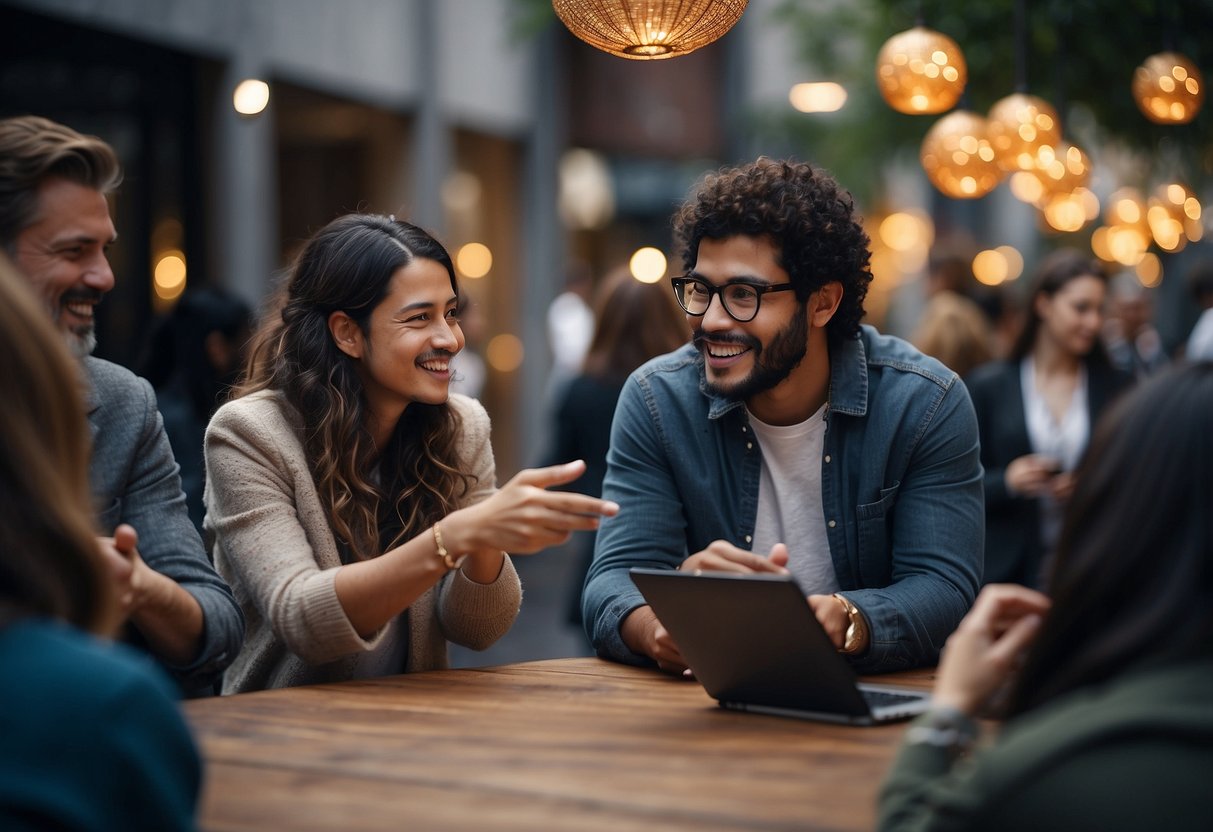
{"points": [[633, 322], [1035, 412]]}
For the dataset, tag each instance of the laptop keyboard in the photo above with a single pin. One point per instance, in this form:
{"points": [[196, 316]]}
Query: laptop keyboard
{"points": [[884, 699]]}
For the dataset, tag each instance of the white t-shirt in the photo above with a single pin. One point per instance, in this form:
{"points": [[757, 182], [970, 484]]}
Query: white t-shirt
{"points": [[789, 500], [1064, 441], [1200, 342]]}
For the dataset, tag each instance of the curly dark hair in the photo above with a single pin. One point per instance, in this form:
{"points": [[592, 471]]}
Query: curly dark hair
{"points": [[805, 213]]}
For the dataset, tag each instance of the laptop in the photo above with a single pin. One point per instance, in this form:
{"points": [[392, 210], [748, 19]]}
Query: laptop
{"points": [[753, 642]]}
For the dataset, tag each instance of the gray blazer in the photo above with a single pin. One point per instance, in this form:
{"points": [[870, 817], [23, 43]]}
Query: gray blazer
{"points": [[134, 480]]}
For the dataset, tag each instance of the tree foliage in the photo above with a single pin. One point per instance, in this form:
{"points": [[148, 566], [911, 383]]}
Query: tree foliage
{"points": [[1079, 55]]}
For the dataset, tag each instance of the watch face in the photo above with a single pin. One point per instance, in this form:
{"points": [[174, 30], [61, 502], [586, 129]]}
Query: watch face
{"points": [[851, 639]]}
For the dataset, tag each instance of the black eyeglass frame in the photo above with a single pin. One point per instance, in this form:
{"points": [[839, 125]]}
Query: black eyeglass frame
{"points": [[760, 289]]}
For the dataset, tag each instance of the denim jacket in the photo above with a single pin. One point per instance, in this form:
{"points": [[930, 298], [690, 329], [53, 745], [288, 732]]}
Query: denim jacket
{"points": [[900, 481]]}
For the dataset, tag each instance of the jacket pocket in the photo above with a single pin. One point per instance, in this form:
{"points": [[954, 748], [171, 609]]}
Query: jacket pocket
{"points": [[872, 528]]}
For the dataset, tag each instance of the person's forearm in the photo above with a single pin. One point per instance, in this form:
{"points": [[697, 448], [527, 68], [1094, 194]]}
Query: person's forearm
{"points": [[373, 592], [169, 619]]}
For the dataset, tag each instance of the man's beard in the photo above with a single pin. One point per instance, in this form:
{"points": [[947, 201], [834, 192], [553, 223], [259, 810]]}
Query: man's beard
{"points": [[81, 340], [772, 364]]}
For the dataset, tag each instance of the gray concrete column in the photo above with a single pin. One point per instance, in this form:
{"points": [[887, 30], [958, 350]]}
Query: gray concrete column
{"points": [[545, 251], [245, 211]]}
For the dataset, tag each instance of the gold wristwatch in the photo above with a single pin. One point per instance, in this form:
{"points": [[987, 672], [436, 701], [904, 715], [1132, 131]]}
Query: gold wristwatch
{"points": [[857, 627]]}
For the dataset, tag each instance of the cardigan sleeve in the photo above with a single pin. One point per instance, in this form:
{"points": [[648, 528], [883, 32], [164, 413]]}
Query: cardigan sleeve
{"points": [[272, 541]]}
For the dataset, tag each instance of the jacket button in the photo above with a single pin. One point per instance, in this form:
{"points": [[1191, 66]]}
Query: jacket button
{"points": [[749, 539], [831, 524], [749, 446], [827, 459]]}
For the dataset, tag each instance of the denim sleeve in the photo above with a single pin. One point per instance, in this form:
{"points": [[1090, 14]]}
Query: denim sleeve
{"points": [[937, 544], [649, 530]]}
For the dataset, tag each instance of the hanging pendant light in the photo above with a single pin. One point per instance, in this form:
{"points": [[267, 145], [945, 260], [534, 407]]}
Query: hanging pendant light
{"points": [[957, 156], [649, 29], [921, 71], [1168, 88], [1020, 125], [1062, 168]]}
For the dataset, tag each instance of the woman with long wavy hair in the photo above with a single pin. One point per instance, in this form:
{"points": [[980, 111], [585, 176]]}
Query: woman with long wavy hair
{"points": [[92, 734], [1109, 677], [351, 498]]}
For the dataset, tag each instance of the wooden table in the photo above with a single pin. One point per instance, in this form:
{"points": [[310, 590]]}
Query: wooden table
{"points": [[563, 744]]}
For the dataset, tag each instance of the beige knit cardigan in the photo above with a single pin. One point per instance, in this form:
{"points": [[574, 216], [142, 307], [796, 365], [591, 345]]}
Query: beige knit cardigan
{"points": [[270, 540]]}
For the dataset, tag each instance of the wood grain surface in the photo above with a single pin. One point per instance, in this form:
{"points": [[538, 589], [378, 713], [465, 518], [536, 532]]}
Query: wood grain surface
{"points": [[576, 744]]}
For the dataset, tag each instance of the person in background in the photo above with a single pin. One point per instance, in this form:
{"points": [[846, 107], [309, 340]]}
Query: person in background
{"points": [[55, 224], [92, 737], [351, 498], [570, 325], [193, 359], [1107, 680], [1133, 344], [790, 438], [956, 331], [1199, 346], [1035, 410], [633, 322]]}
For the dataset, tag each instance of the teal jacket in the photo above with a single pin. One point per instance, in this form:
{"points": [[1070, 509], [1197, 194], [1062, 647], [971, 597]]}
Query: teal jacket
{"points": [[91, 738], [1136, 753]]}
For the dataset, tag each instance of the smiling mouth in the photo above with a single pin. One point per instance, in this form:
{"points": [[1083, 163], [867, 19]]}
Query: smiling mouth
{"points": [[80, 309], [436, 366], [726, 350]]}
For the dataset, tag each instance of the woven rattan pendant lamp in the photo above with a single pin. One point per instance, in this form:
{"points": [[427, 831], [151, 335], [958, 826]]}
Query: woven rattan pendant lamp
{"points": [[649, 29]]}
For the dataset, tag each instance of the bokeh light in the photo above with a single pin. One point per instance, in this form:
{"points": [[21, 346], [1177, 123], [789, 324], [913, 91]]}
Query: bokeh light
{"points": [[474, 260], [819, 97], [921, 71], [647, 264], [1019, 126], [958, 157], [504, 353], [169, 275], [1168, 88], [251, 97]]}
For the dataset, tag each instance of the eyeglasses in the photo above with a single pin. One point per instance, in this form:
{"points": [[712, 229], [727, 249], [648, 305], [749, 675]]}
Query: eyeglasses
{"points": [[740, 298]]}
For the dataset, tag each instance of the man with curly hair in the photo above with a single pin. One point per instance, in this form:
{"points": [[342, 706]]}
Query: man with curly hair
{"points": [[787, 437]]}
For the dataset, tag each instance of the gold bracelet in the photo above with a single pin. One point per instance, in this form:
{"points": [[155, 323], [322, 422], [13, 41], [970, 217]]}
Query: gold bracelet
{"points": [[443, 554]]}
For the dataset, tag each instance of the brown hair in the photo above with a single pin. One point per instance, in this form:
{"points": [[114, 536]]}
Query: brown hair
{"points": [[49, 562], [956, 331], [34, 149], [633, 322], [348, 266]]}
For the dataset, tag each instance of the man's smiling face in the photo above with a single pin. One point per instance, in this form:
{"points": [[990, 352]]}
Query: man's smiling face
{"points": [[63, 255], [745, 359]]}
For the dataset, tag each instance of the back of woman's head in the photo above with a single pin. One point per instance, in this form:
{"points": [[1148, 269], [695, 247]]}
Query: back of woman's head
{"points": [[1052, 275], [633, 322], [956, 331], [49, 564], [348, 266], [1136, 551]]}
